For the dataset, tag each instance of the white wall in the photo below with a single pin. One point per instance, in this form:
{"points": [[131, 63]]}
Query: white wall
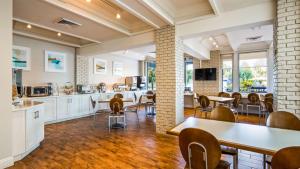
{"points": [[5, 81], [131, 68], [37, 74]]}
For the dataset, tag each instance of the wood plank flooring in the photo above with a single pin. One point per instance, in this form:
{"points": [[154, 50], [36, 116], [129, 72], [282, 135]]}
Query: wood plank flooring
{"points": [[87, 144]]}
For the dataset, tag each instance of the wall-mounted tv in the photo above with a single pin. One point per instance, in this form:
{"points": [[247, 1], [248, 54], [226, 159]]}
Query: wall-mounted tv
{"points": [[206, 74]]}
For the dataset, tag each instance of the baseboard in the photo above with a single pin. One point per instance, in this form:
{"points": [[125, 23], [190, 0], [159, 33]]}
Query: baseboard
{"points": [[6, 162]]}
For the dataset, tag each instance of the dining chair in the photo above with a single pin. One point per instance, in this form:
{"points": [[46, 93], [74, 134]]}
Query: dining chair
{"points": [[287, 158], [135, 109], [201, 150], [223, 94], [238, 96], [283, 120], [119, 95], [254, 101], [223, 113], [267, 107], [94, 104], [149, 101], [203, 105], [116, 106], [269, 95]]}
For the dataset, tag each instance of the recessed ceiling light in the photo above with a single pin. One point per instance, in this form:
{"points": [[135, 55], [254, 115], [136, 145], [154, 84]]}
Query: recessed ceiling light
{"points": [[217, 46], [58, 34], [118, 16], [28, 26], [210, 38], [88, 0], [214, 43]]}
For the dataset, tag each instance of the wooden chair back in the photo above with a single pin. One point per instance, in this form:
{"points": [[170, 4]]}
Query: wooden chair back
{"points": [[237, 95], [236, 103], [93, 102], [284, 120], [118, 95], [287, 158], [268, 102], [269, 95], [154, 98], [253, 98], [222, 113], [116, 105], [209, 142], [149, 93], [223, 94], [203, 101]]}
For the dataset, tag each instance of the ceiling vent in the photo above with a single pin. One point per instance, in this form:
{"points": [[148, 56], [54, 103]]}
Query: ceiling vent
{"points": [[254, 38], [68, 22]]}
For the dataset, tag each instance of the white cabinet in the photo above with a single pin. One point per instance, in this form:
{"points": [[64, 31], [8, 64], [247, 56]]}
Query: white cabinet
{"points": [[34, 126], [18, 132], [50, 108], [27, 130], [67, 107], [85, 104]]}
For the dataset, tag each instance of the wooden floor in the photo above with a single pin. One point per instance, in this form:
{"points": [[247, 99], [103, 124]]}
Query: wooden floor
{"points": [[87, 144]]}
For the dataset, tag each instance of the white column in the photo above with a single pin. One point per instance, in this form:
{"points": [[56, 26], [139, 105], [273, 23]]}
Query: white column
{"points": [[235, 72], [6, 83]]}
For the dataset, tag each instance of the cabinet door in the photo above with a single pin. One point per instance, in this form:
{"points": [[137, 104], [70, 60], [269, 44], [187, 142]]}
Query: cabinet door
{"points": [[74, 106], [18, 132], [34, 126], [84, 104], [50, 108], [63, 108]]}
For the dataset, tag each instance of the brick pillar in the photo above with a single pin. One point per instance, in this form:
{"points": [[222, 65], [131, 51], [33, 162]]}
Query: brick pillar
{"points": [[169, 79], [287, 56]]}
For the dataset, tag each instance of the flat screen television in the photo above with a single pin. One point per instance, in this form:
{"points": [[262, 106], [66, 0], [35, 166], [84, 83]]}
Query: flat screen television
{"points": [[206, 74]]}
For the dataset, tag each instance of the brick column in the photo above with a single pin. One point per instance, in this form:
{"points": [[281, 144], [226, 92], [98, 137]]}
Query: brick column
{"points": [[287, 56], [82, 70], [169, 79]]}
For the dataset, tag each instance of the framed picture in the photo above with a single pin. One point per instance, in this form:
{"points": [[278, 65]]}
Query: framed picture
{"points": [[55, 61], [21, 57], [100, 66], [117, 68]]}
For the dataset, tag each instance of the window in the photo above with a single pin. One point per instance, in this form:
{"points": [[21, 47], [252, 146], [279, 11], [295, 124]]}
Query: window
{"points": [[188, 77], [253, 72], [151, 75], [227, 75]]}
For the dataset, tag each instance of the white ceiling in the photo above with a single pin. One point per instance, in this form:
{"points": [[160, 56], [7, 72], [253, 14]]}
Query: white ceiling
{"points": [[229, 5], [140, 53]]}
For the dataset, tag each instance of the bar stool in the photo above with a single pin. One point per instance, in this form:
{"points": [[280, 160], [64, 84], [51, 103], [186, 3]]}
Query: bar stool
{"points": [[201, 150], [116, 106]]}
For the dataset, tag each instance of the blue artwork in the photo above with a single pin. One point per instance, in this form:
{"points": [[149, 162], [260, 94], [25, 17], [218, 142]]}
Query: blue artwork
{"points": [[55, 62], [20, 58]]}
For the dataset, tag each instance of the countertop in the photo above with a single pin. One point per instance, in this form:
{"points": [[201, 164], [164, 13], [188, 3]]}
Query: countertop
{"points": [[27, 104]]}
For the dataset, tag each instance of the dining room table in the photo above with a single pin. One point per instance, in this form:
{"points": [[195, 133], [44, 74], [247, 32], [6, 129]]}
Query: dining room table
{"points": [[123, 99], [224, 100], [260, 139]]}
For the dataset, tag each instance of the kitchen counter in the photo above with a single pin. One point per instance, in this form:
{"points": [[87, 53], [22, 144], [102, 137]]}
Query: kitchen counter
{"points": [[27, 104]]}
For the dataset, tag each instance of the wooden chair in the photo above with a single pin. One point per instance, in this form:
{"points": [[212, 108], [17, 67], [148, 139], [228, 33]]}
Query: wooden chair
{"points": [[223, 94], [222, 113], [268, 107], [287, 158], [283, 120], [238, 96], [135, 109], [204, 105], [201, 150], [116, 106], [270, 95], [254, 101], [118, 95]]}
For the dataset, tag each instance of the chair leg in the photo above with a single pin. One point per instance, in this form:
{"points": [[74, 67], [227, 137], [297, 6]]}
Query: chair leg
{"points": [[235, 160], [247, 109], [195, 112], [108, 124], [264, 161]]}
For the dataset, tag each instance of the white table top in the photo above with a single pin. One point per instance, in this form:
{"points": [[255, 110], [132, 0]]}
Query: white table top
{"points": [[260, 139], [220, 99]]}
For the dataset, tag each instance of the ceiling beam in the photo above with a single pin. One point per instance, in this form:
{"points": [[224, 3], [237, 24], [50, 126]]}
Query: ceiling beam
{"points": [[55, 30], [89, 16], [238, 19], [45, 39], [136, 13], [155, 8], [214, 6]]}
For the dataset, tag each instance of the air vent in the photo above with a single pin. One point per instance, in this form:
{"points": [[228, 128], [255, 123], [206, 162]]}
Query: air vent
{"points": [[254, 38], [69, 22]]}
